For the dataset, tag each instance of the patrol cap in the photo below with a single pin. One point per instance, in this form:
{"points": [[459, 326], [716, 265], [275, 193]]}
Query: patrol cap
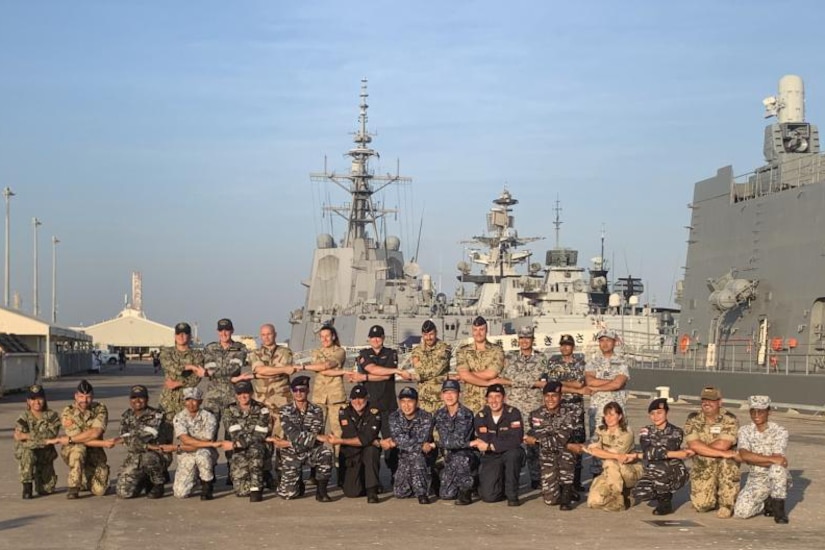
{"points": [[35, 391], [299, 382], [710, 393], [244, 386], [192, 393], [567, 340], [376, 331], [656, 404], [183, 328], [450, 385], [479, 321], [495, 388], [138, 391], [553, 386], [526, 332], [607, 333], [408, 393], [428, 326], [759, 402], [358, 392], [85, 388], [225, 324]]}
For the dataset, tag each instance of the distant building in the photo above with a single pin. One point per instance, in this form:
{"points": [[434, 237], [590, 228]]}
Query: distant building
{"points": [[132, 332]]}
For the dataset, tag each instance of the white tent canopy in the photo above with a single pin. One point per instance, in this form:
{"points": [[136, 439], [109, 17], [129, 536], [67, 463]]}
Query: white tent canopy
{"points": [[130, 329]]}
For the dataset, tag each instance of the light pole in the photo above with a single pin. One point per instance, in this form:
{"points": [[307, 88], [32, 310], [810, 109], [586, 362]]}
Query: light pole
{"points": [[35, 303], [8, 194], [54, 279]]}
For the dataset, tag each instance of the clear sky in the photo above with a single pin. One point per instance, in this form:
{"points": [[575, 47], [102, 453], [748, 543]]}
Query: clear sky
{"points": [[176, 138]]}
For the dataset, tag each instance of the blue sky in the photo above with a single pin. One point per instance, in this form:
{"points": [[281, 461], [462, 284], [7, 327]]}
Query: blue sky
{"points": [[176, 138]]}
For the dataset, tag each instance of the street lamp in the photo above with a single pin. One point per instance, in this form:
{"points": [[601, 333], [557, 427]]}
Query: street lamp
{"points": [[35, 303], [8, 194], [54, 279]]}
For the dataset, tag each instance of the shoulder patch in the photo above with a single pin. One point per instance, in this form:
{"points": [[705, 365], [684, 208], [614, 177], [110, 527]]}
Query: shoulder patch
{"points": [[374, 411]]}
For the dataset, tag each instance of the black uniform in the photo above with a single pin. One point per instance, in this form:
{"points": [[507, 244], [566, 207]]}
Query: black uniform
{"points": [[500, 467], [382, 394], [359, 465]]}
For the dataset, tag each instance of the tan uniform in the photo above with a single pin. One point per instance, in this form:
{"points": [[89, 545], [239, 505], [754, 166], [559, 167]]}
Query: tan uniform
{"points": [[431, 364], [470, 359], [608, 490], [87, 465], [328, 391], [713, 481], [272, 391]]}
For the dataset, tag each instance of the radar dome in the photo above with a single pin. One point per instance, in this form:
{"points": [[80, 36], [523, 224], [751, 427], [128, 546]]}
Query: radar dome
{"points": [[393, 243]]}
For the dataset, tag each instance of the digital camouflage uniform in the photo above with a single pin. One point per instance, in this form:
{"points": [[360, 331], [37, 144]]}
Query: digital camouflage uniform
{"points": [[662, 476], [35, 458], [468, 358], [248, 431], [201, 462], [222, 365], [172, 361], [604, 369], [524, 371], [431, 365], [138, 431], [762, 482], [571, 403], [460, 460], [328, 391], [272, 391], [413, 475], [609, 490], [87, 465], [713, 481], [553, 430], [301, 430]]}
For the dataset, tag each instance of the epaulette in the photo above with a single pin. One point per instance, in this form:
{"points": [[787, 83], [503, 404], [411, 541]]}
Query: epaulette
{"points": [[693, 415], [730, 414], [480, 414]]}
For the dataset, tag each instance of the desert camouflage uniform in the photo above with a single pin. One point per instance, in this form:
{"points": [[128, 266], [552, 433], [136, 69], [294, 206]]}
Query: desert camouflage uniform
{"points": [[763, 482], [413, 475], [662, 476], [272, 391], [222, 365], [328, 391], [172, 362], [460, 460], [301, 430], [554, 431], [87, 465], [609, 490], [35, 458], [604, 369], [138, 431], [201, 462], [248, 431], [470, 359], [713, 481], [524, 371], [431, 365]]}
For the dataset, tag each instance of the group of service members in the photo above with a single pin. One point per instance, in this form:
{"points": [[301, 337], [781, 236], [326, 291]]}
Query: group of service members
{"points": [[454, 435]]}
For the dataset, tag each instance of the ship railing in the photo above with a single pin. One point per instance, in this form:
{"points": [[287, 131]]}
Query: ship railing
{"points": [[789, 174], [780, 363]]}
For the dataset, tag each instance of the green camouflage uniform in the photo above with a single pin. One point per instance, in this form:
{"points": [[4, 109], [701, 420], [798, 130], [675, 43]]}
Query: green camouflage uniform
{"points": [[468, 358], [431, 364], [172, 361], [35, 458], [713, 481], [138, 431], [87, 465], [222, 365]]}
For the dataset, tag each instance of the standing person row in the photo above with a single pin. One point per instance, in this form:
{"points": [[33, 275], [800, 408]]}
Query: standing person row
{"points": [[182, 368]]}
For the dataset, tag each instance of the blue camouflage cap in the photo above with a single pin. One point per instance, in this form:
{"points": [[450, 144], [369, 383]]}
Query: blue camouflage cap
{"points": [[450, 385]]}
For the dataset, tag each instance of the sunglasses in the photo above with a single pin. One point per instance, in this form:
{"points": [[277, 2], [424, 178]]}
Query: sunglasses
{"points": [[300, 390]]}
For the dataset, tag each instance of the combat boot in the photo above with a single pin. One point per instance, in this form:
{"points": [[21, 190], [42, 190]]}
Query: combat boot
{"points": [[664, 505], [156, 491], [566, 499], [27, 491], [302, 488], [256, 496], [372, 496], [207, 489], [269, 481], [423, 499], [321, 494], [768, 511], [779, 515], [464, 497], [73, 493]]}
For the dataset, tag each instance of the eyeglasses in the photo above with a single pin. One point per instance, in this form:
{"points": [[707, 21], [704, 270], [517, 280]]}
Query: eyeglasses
{"points": [[300, 390]]}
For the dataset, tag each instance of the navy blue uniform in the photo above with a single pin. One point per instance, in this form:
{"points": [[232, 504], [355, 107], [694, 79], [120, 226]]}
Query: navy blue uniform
{"points": [[359, 465], [500, 467]]}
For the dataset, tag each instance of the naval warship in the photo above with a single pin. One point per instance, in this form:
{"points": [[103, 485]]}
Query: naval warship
{"points": [[752, 303]]}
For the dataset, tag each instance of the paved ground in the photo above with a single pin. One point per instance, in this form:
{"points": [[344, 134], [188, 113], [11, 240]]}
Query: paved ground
{"points": [[54, 522]]}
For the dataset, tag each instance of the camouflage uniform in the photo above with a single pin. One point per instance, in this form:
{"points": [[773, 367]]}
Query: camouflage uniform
{"points": [[604, 369], [301, 429], [328, 391], [87, 465], [470, 359], [413, 475], [662, 476], [609, 490], [138, 431], [222, 365], [431, 365], [172, 361], [713, 481], [524, 371], [198, 463], [248, 431], [35, 458], [553, 430], [460, 460], [572, 404], [763, 482], [272, 391]]}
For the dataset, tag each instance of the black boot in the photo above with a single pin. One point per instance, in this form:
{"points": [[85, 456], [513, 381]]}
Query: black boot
{"points": [[566, 500], [435, 484], [372, 496], [256, 496], [207, 488], [779, 515], [269, 481], [664, 505], [27, 491], [156, 491], [768, 511], [464, 497], [577, 477], [311, 480], [423, 499], [73, 493], [302, 488], [321, 494]]}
